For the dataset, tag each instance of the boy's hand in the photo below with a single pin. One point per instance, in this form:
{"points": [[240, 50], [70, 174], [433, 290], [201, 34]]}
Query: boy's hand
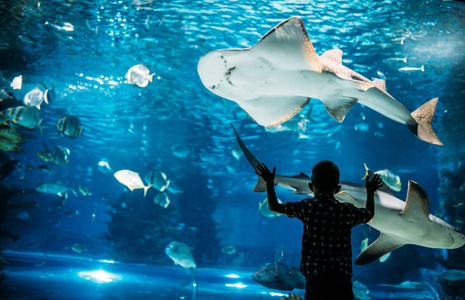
{"points": [[375, 183], [265, 174]]}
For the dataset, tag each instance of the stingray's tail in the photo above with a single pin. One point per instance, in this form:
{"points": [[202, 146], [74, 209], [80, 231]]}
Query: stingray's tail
{"points": [[422, 127]]}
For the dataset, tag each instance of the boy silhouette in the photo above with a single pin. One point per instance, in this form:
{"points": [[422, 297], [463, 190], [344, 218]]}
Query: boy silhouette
{"points": [[326, 256]]}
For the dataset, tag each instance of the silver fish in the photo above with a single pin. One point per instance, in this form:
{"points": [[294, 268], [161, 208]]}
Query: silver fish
{"points": [[34, 97], [52, 188], [25, 116], [162, 200], [181, 254], [49, 94], [139, 75], [409, 69], [60, 155], [390, 179], [158, 180], [131, 179], [70, 126]]}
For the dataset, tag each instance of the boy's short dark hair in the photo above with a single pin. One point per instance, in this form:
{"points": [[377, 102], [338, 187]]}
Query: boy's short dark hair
{"points": [[325, 176]]}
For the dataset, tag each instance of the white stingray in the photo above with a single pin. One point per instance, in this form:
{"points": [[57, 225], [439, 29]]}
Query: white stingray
{"points": [[273, 80]]}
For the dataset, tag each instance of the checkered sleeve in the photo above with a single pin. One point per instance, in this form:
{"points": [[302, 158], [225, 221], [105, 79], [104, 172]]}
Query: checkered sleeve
{"points": [[359, 215], [294, 210]]}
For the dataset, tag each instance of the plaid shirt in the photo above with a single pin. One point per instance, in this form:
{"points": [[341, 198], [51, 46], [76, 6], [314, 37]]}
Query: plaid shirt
{"points": [[326, 238]]}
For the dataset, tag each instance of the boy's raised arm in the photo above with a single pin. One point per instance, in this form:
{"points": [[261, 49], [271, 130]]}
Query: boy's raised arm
{"points": [[371, 186], [268, 177]]}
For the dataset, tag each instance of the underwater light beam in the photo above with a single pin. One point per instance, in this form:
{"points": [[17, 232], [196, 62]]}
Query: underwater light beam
{"points": [[100, 276]]}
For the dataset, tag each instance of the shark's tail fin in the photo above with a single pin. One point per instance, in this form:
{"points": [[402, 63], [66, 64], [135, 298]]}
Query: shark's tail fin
{"points": [[423, 116]]}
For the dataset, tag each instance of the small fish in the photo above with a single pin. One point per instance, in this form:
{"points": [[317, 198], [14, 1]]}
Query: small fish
{"points": [[381, 75], [139, 75], [157, 179], [228, 250], [453, 275], [44, 168], [79, 248], [17, 82], [59, 155], [265, 210], [6, 96], [364, 127], [180, 150], [25, 116], [162, 200], [52, 188], [8, 146], [84, 191], [131, 180], [409, 69], [70, 126], [181, 254], [104, 166], [237, 152], [49, 94], [397, 59], [23, 216], [71, 213], [11, 134], [34, 97], [46, 156], [361, 291], [390, 179]]}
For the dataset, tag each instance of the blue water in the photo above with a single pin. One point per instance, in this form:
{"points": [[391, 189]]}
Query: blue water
{"points": [[86, 47]]}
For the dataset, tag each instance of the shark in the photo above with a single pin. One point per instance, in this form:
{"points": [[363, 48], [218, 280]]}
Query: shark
{"points": [[275, 79], [399, 222]]}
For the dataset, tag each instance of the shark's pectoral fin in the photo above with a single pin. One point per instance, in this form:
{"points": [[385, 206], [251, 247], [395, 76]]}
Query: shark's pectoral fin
{"points": [[383, 245], [344, 196], [270, 111], [338, 106], [287, 45], [417, 203]]}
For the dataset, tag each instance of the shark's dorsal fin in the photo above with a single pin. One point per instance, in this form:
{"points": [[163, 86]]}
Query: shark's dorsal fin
{"points": [[383, 245], [301, 175], [334, 55], [380, 84], [288, 44], [417, 203]]}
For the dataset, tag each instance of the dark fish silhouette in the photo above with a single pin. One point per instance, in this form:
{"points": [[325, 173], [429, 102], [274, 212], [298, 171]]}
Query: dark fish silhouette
{"points": [[280, 277]]}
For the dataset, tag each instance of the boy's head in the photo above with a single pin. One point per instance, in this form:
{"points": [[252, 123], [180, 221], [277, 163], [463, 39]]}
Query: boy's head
{"points": [[325, 177]]}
